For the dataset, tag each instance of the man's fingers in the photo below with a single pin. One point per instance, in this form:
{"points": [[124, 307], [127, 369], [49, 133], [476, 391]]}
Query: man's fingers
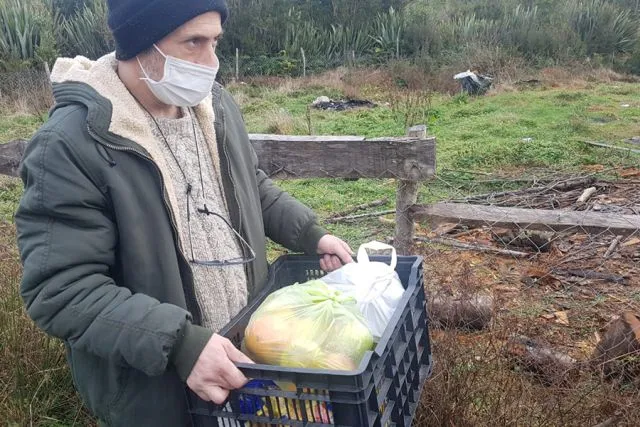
{"points": [[233, 377], [216, 394], [324, 263], [202, 395], [330, 263], [347, 248], [343, 255], [236, 355]]}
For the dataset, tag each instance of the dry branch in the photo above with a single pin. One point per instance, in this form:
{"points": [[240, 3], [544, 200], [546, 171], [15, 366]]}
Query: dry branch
{"points": [[375, 203], [472, 247], [360, 216], [586, 195], [563, 186], [599, 144], [613, 246], [590, 274]]}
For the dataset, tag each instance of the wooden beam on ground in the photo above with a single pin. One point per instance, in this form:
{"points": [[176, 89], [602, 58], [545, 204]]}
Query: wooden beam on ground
{"points": [[407, 194], [288, 157], [530, 219]]}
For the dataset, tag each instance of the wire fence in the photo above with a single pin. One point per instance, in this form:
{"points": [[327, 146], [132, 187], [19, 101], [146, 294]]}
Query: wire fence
{"points": [[25, 92]]}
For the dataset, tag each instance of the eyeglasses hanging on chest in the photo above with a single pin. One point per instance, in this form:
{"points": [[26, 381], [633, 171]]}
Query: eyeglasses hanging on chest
{"points": [[199, 204]]}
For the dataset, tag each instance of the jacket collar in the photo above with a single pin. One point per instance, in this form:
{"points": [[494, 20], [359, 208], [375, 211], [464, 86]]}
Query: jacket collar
{"points": [[115, 116]]}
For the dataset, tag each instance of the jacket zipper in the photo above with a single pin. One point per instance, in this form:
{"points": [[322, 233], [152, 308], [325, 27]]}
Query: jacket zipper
{"points": [[226, 155], [233, 186], [164, 198]]}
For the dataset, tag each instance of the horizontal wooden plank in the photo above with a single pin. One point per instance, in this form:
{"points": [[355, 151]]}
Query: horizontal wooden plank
{"points": [[531, 219], [305, 138], [289, 157]]}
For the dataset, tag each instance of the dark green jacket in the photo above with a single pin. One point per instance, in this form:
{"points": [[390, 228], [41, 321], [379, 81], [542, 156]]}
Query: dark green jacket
{"points": [[103, 269]]}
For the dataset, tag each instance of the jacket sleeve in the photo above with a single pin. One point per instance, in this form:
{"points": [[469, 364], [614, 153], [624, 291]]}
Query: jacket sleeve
{"points": [[67, 242], [286, 220]]}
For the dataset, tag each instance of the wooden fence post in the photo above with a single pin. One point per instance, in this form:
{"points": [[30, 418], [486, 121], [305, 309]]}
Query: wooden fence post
{"points": [[407, 196], [304, 63], [237, 65]]}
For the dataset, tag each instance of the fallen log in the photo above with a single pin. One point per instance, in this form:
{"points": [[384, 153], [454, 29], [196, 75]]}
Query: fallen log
{"points": [[10, 156], [550, 365], [617, 353], [471, 312], [527, 219]]}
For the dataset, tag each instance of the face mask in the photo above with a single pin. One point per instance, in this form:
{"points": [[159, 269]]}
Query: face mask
{"points": [[184, 84]]}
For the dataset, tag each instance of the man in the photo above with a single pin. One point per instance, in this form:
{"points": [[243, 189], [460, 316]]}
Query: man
{"points": [[143, 222]]}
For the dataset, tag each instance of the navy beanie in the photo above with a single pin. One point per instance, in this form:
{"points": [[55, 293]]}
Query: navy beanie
{"points": [[138, 24]]}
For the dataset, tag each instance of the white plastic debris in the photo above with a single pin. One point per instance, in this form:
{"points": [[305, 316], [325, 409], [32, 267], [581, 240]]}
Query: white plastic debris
{"points": [[321, 100], [473, 83]]}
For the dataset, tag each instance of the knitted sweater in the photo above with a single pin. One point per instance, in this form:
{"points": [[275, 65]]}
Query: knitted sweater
{"points": [[221, 291]]}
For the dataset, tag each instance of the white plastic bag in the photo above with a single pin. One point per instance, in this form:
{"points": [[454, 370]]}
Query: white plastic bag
{"points": [[375, 286]]}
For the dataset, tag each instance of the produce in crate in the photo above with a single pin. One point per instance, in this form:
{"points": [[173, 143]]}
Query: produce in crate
{"points": [[281, 408], [308, 325]]}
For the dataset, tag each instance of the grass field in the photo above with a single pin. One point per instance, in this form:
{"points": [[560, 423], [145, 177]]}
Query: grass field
{"points": [[483, 144]]}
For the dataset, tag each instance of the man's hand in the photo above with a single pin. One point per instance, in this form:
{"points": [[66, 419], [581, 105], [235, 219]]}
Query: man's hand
{"points": [[335, 253], [214, 373]]}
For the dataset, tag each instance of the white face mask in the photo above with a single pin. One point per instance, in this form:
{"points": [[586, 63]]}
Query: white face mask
{"points": [[184, 84]]}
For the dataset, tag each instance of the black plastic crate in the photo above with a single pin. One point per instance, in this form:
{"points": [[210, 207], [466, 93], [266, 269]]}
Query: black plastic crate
{"points": [[383, 391]]}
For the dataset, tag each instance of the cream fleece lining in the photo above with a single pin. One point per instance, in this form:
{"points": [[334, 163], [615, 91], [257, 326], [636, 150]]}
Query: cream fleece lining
{"points": [[128, 118]]}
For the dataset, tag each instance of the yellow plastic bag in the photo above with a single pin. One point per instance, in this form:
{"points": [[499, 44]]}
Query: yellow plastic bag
{"points": [[308, 325]]}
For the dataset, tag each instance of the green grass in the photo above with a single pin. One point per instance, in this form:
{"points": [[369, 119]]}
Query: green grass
{"points": [[484, 134], [18, 127], [10, 192]]}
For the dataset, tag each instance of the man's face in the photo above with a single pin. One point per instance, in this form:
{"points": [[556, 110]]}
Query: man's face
{"points": [[195, 41]]}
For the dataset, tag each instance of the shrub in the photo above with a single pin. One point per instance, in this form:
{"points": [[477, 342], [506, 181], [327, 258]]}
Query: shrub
{"points": [[87, 33]]}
